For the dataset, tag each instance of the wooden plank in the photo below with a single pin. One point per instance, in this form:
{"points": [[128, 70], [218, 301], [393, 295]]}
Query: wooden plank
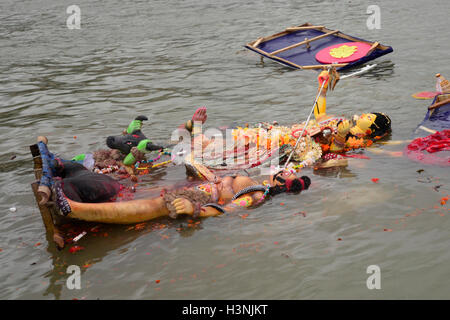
{"points": [[292, 29], [304, 42]]}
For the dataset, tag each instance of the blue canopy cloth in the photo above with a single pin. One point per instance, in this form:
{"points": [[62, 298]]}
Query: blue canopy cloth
{"points": [[437, 117], [297, 47]]}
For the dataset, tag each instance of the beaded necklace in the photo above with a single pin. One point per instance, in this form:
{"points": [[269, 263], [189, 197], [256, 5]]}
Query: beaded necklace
{"points": [[162, 152]]}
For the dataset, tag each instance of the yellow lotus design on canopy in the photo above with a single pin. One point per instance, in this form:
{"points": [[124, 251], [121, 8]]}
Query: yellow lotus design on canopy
{"points": [[343, 51]]}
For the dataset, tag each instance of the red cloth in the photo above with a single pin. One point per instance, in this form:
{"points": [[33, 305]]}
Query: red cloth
{"points": [[428, 149]]}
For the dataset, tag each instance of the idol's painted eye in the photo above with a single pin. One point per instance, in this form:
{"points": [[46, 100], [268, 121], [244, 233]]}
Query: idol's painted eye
{"points": [[287, 173]]}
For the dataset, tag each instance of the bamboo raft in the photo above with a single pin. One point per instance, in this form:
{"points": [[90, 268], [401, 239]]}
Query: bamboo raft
{"points": [[285, 48]]}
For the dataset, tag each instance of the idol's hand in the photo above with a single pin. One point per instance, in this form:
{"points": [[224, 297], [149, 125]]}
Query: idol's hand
{"points": [[343, 128], [200, 115], [183, 206]]}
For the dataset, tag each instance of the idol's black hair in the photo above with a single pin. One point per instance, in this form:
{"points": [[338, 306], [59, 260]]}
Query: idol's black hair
{"points": [[296, 186]]}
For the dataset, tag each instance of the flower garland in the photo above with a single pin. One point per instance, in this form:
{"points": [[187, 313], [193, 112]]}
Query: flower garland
{"points": [[146, 165], [108, 169], [307, 152]]}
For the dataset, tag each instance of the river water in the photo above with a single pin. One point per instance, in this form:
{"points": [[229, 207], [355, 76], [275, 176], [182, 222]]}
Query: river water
{"points": [[163, 59]]}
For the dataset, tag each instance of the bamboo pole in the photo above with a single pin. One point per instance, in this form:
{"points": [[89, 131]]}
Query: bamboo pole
{"points": [[37, 160], [439, 104], [373, 47], [282, 33], [304, 42], [47, 209], [319, 66], [45, 212], [277, 58], [347, 37], [257, 43], [291, 29], [442, 97], [322, 66]]}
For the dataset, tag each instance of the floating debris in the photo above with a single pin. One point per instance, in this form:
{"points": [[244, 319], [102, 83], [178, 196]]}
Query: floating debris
{"points": [[78, 237], [303, 213], [75, 249]]}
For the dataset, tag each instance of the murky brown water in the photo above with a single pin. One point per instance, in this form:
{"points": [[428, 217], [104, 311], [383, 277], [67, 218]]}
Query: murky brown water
{"points": [[165, 58]]}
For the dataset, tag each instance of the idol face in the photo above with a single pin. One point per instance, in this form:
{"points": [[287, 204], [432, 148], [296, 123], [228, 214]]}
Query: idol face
{"points": [[363, 123], [280, 178]]}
